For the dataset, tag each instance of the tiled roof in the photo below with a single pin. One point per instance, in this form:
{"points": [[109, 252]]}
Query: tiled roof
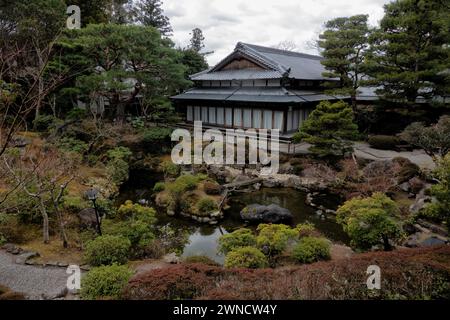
{"points": [[279, 63], [252, 94]]}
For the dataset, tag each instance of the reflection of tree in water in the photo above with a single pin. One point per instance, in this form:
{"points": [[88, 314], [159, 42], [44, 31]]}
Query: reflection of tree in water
{"points": [[206, 230], [175, 237]]}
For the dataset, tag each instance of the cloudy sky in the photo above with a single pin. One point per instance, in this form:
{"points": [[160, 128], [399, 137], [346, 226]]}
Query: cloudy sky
{"points": [[262, 22]]}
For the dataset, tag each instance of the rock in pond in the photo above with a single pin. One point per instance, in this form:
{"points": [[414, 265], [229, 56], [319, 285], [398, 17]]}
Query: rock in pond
{"points": [[268, 214]]}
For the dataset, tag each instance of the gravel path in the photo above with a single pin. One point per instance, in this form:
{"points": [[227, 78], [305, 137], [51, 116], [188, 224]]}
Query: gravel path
{"points": [[35, 282]]}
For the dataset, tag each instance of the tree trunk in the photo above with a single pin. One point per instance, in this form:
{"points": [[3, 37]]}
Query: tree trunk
{"points": [[386, 244], [45, 223], [62, 230]]}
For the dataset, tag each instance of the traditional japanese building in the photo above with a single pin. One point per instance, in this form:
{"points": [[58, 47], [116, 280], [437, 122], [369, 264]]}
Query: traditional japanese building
{"points": [[257, 87]]}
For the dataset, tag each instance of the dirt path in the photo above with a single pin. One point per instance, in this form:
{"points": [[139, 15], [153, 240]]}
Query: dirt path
{"points": [[34, 282]]}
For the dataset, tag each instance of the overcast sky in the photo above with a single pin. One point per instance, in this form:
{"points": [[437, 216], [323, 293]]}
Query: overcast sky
{"points": [[262, 22]]}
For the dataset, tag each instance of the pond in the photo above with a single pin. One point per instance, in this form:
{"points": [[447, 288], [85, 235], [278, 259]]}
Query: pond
{"points": [[203, 239]]}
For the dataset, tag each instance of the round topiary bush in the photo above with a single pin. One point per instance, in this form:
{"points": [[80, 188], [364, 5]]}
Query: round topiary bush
{"points": [[105, 282], [246, 257], [107, 250], [237, 239], [310, 249], [384, 142], [159, 186]]}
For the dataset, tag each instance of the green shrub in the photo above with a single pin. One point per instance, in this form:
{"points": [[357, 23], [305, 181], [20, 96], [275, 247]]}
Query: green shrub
{"points": [[107, 250], [370, 221], [76, 113], [118, 171], [310, 249], [439, 209], [246, 257], [274, 238], [157, 136], [74, 204], [43, 122], [384, 142], [70, 144], [407, 172], [117, 166], [237, 239], [135, 211], [105, 282], [159, 186], [306, 230], [170, 169], [12, 229], [183, 184], [207, 205], [119, 153]]}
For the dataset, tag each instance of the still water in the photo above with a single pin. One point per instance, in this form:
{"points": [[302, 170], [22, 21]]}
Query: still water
{"points": [[202, 240]]}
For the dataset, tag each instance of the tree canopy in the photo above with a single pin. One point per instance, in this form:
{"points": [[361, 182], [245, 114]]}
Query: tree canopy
{"points": [[126, 62], [329, 129], [344, 43], [410, 53]]}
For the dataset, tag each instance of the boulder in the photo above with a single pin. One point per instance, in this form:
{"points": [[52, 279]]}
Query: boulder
{"points": [[171, 258], [268, 214], [12, 248], [432, 241], [23, 257], [87, 218]]}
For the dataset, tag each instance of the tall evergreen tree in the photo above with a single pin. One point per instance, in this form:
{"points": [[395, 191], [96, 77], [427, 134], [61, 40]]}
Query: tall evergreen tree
{"points": [[197, 40], [344, 43], [150, 14], [329, 129], [92, 11], [410, 52]]}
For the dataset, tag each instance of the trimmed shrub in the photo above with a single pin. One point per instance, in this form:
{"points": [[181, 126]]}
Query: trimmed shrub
{"points": [[130, 210], [246, 257], [306, 230], [311, 249], [43, 122], [274, 238], [159, 186], [172, 283], [72, 145], [237, 239], [370, 221], [107, 250], [156, 139], [105, 282], [207, 205], [170, 169], [413, 274], [384, 142]]}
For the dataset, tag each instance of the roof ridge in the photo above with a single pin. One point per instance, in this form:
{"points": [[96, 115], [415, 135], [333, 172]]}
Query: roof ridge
{"points": [[281, 51], [267, 60]]}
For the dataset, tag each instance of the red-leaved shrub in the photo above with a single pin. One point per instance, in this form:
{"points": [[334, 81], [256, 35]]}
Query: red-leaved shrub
{"points": [[406, 274]]}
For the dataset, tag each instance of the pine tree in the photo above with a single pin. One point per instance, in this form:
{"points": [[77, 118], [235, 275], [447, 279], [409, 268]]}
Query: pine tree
{"points": [[197, 40], [150, 14], [330, 129], [410, 53], [344, 43]]}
